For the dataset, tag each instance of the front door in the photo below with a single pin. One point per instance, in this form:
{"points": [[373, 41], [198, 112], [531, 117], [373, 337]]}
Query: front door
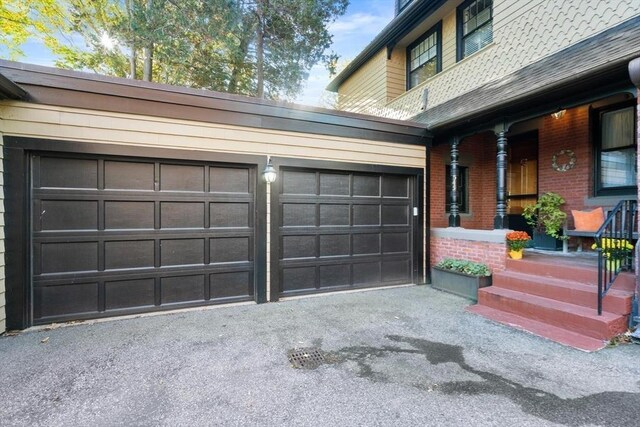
{"points": [[522, 178]]}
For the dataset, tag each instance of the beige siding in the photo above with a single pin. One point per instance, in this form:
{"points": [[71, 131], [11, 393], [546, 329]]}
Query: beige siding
{"points": [[525, 31], [396, 74], [2, 285], [366, 86], [95, 127], [449, 40]]}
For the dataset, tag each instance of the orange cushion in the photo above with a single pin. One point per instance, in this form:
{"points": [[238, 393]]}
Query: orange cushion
{"points": [[589, 220]]}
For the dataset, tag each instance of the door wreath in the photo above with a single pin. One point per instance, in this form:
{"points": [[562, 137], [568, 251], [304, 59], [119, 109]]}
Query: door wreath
{"points": [[563, 167]]}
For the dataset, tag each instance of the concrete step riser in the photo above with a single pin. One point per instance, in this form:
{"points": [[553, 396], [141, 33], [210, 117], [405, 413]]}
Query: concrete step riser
{"points": [[589, 326], [588, 297]]}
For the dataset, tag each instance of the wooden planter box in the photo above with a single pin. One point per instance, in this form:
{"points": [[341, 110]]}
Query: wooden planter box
{"points": [[458, 283]]}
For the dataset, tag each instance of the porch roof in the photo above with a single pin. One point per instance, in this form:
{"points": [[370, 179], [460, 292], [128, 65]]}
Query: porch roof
{"points": [[595, 65]]}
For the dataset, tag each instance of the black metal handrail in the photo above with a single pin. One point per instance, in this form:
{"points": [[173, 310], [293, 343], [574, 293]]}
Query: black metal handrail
{"points": [[615, 240]]}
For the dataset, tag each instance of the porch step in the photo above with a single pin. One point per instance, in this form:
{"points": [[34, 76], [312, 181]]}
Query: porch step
{"points": [[571, 317], [541, 329], [586, 295]]}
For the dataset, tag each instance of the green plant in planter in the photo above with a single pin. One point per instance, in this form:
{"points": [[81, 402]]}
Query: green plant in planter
{"points": [[464, 266], [545, 215]]}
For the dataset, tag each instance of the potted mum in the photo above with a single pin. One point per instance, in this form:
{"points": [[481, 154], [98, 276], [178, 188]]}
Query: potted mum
{"points": [[615, 251], [517, 241], [546, 218], [460, 277]]}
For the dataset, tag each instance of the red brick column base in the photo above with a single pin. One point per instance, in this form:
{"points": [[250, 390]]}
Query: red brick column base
{"points": [[488, 247]]}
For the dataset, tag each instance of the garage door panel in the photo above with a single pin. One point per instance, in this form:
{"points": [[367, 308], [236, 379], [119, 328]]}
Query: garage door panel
{"points": [[230, 249], [182, 178], [229, 214], [395, 242], [181, 251], [229, 180], [120, 215], [230, 285], [121, 294], [58, 215], [65, 299], [129, 175], [368, 243], [129, 254], [366, 214], [182, 289], [299, 182], [57, 172], [298, 215], [298, 246], [68, 257], [182, 215], [334, 244], [331, 214], [395, 186], [366, 185], [298, 278], [334, 184], [362, 235], [335, 275]]}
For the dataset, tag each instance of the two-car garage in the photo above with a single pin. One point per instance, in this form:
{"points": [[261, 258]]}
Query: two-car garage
{"points": [[124, 197]]}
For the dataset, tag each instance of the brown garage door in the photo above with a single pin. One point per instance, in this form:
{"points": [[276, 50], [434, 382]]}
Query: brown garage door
{"points": [[339, 230], [115, 235]]}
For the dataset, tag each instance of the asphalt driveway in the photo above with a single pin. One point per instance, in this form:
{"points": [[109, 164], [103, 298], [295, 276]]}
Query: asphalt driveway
{"points": [[402, 356]]}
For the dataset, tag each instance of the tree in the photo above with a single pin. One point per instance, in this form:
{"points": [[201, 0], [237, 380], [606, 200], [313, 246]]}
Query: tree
{"points": [[261, 48]]}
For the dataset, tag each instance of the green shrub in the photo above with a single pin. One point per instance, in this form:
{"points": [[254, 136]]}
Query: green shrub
{"points": [[464, 266]]}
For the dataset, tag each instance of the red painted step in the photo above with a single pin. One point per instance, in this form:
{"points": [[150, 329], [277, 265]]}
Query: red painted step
{"points": [[616, 301], [541, 329], [568, 269], [575, 318]]}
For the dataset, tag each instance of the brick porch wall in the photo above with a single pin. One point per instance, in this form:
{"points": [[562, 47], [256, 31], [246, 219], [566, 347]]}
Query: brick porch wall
{"points": [[488, 247]]}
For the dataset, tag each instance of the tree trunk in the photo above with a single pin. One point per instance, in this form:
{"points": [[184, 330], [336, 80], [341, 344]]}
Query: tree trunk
{"points": [[260, 50], [238, 64], [132, 47], [147, 52]]}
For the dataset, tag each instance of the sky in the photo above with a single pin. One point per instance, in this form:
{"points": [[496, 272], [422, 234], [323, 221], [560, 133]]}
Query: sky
{"points": [[351, 33]]}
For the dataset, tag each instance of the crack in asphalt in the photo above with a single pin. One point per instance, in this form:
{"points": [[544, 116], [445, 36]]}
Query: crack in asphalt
{"points": [[606, 408]]}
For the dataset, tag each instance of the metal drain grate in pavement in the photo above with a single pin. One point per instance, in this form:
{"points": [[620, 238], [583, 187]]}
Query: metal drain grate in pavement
{"points": [[308, 358]]}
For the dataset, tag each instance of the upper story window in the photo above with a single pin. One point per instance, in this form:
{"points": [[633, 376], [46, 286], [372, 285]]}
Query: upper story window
{"points": [[475, 26], [424, 57], [616, 150]]}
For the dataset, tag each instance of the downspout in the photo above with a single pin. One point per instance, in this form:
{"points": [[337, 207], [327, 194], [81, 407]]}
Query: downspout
{"points": [[634, 74]]}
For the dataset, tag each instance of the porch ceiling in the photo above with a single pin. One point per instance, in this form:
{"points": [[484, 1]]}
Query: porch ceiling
{"points": [[580, 73]]}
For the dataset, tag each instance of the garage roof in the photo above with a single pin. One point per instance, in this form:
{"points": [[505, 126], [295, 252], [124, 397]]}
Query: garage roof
{"points": [[53, 86]]}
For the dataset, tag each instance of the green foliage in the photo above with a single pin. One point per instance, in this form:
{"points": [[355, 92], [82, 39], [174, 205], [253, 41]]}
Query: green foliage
{"points": [[464, 266], [545, 215], [211, 44]]}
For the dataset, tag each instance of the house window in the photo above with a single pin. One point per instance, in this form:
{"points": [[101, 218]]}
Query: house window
{"points": [[616, 167], [475, 26], [463, 189], [424, 57]]}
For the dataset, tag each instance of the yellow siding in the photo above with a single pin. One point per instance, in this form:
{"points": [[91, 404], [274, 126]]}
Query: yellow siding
{"points": [[525, 31], [396, 73], [97, 127], [365, 86]]}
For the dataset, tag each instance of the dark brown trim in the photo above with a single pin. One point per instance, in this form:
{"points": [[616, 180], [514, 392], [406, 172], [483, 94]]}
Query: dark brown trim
{"points": [[10, 90], [426, 223], [276, 190], [17, 252], [51, 86]]}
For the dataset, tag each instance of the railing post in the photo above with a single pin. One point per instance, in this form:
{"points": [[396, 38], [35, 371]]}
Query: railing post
{"points": [[600, 272]]}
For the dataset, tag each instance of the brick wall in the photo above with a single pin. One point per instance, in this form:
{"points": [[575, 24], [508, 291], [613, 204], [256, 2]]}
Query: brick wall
{"points": [[571, 132], [491, 253], [478, 153]]}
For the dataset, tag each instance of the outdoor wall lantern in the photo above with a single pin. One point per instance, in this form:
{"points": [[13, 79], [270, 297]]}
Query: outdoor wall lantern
{"points": [[558, 114], [269, 174]]}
